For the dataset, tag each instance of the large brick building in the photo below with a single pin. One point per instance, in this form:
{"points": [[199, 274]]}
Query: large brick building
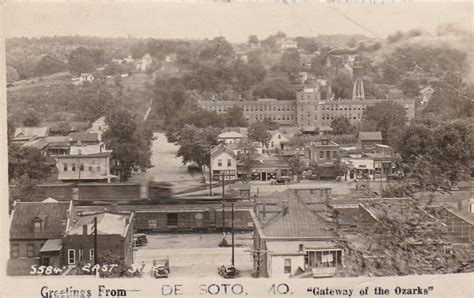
{"points": [[307, 111]]}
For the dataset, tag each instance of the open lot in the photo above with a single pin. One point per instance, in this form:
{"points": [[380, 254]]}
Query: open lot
{"points": [[195, 255]]}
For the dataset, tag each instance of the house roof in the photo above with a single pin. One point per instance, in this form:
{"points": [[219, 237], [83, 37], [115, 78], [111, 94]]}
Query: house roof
{"points": [[31, 132], [221, 148], [52, 245], [107, 224], [370, 136], [58, 141], [53, 215], [84, 137], [231, 135], [92, 155], [37, 143], [297, 221]]}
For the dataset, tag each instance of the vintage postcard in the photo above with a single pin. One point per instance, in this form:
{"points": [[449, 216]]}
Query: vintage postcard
{"points": [[296, 148]]}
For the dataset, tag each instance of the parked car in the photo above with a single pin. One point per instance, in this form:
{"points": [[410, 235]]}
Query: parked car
{"points": [[281, 180], [139, 239], [192, 168], [227, 271], [161, 268]]}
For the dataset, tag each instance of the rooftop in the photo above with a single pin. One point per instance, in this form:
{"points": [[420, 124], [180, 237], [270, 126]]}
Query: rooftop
{"points": [[107, 224], [84, 137], [31, 132], [370, 136], [297, 220], [52, 214]]}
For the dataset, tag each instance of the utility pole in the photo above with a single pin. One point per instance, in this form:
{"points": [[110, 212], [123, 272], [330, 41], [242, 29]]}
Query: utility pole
{"points": [[223, 203], [210, 174], [95, 240], [232, 227]]}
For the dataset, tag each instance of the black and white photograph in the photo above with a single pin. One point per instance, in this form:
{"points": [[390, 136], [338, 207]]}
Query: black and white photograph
{"points": [[235, 141]]}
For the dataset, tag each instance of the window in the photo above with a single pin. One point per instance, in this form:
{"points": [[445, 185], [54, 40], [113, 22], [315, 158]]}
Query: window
{"points": [[81, 167], [37, 227], [65, 167], [90, 168], [321, 154], [219, 162], [73, 167], [152, 223], [91, 254], [30, 250], [287, 266], [98, 168], [15, 252], [81, 255], [229, 162], [71, 256]]}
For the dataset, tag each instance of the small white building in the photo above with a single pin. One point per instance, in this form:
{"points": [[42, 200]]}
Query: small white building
{"points": [[278, 140], [359, 167], [86, 77], [145, 63], [223, 162]]}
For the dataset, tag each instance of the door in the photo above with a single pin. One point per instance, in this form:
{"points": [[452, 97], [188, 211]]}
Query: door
{"points": [[264, 176], [172, 220]]}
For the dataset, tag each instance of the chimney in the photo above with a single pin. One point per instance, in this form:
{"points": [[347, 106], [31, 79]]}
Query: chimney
{"points": [[84, 230]]}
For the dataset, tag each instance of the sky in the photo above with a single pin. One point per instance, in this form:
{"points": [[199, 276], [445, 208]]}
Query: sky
{"points": [[233, 21]]}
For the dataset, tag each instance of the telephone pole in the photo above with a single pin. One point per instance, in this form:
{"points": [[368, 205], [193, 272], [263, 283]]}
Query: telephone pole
{"points": [[232, 227], [95, 240]]}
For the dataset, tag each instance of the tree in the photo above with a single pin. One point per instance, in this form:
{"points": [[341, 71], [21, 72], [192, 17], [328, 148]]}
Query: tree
{"points": [[195, 142], [12, 74], [31, 118], [390, 118], [258, 132], [290, 63], [92, 101], [341, 86], [391, 74], [131, 145], [341, 125], [247, 155], [253, 40], [83, 60], [435, 154], [234, 117], [269, 42], [48, 65], [280, 34], [217, 48], [410, 88], [296, 166], [276, 88], [26, 161]]}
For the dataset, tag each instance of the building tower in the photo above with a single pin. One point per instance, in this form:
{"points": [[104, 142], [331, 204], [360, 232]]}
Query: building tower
{"points": [[358, 78]]}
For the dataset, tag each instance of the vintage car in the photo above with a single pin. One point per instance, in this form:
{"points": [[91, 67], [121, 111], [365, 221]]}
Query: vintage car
{"points": [[161, 268], [227, 271], [139, 240], [281, 180]]}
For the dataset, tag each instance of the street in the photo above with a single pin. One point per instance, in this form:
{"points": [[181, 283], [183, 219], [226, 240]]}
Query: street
{"points": [[167, 167], [194, 255]]}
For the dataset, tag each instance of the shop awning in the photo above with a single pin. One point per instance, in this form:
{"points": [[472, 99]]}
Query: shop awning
{"points": [[52, 245]]}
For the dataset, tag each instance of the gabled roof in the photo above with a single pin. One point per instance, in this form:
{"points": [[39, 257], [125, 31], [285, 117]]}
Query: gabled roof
{"points": [[53, 215], [84, 137], [107, 224], [221, 148], [370, 136], [38, 132], [297, 221]]}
